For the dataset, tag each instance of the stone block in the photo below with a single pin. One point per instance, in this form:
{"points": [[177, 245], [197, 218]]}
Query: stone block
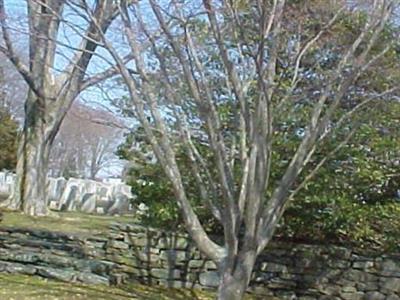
{"points": [[196, 264], [174, 255], [118, 244], [352, 296], [360, 276], [390, 284], [166, 273], [210, 279], [92, 278], [375, 295], [59, 274], [273, 267]]}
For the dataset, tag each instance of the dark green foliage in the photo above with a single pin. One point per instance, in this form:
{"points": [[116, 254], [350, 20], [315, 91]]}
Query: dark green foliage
{"points": [[153, 189], [8, 141], [354, 196]]}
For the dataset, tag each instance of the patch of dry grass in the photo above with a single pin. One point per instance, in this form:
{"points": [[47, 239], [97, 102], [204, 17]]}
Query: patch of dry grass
{"points": [[23, 287], [67, 222]]}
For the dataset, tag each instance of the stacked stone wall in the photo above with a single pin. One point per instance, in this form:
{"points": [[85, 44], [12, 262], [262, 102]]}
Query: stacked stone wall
{"points": [[134, 253]]}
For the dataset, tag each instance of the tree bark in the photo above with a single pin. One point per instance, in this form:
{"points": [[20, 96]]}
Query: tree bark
{"points": [[34, 174], [232, 288], [234, 282], [29, 192]]}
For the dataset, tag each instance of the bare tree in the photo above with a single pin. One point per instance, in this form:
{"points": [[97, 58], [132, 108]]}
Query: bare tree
{"points": [[227, 73], [86, 143], [13, 89], [51, 89]]}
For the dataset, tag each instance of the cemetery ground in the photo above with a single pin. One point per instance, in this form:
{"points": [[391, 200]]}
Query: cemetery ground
{"points": [[68, 222], [24, 287], [30, 287]]}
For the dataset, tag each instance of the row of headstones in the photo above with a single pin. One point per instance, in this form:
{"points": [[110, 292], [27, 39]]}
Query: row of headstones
{"points": [[88, 196], [79, 194]]}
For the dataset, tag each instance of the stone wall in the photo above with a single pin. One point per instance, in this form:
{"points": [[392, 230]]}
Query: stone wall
{"points": [[74, 194], [134, 253]]}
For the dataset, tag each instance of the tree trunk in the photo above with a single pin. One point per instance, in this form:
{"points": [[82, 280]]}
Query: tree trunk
{"points": [[232, 288], [31, 178], [234, 284], [34, 175], [29, 192]]}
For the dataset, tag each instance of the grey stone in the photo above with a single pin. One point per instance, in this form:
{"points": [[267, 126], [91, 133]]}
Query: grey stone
{"points": [[120, 205], [176, 284], [210, 278], [349, 289], [339, 264], [63, 275], [210, 265], [55, 188], [196, 264], [166, 273], [367, 287], [360, 276], [20, 268], [374, 296], [69, 198], [365, 265], [352, 296], [92, 278], [53, 205], [118, 244], [273, 267], [286, 295], [173, 255], [103, 203], [89, 203], [390, 284], [389, 267]]}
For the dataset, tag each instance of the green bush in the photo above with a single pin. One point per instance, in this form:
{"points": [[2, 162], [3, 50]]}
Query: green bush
{"points": [[8, 141], [152, 188]]}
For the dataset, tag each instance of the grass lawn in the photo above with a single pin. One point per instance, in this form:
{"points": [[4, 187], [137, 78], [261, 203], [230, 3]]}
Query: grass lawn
{"points": [[23, 287], [68, 222]]}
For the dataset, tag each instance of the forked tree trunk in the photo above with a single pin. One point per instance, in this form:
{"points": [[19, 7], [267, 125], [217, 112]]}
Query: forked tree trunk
{"points": [[232, 288], [233, 285]]}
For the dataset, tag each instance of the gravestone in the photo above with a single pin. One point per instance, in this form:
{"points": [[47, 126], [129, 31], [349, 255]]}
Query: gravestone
{"points": [[69, 198], [89, 202], [120, 205]]}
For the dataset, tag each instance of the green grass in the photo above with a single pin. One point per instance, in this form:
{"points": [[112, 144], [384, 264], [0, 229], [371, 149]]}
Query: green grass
{"points": [[23, 287], [68, 222]]}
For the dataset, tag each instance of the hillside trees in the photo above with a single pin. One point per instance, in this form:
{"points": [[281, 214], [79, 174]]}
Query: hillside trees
{"points": [[86, 143], [8, 132], [8, 141], [236, 75], [8, 129], [52, 88]]}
